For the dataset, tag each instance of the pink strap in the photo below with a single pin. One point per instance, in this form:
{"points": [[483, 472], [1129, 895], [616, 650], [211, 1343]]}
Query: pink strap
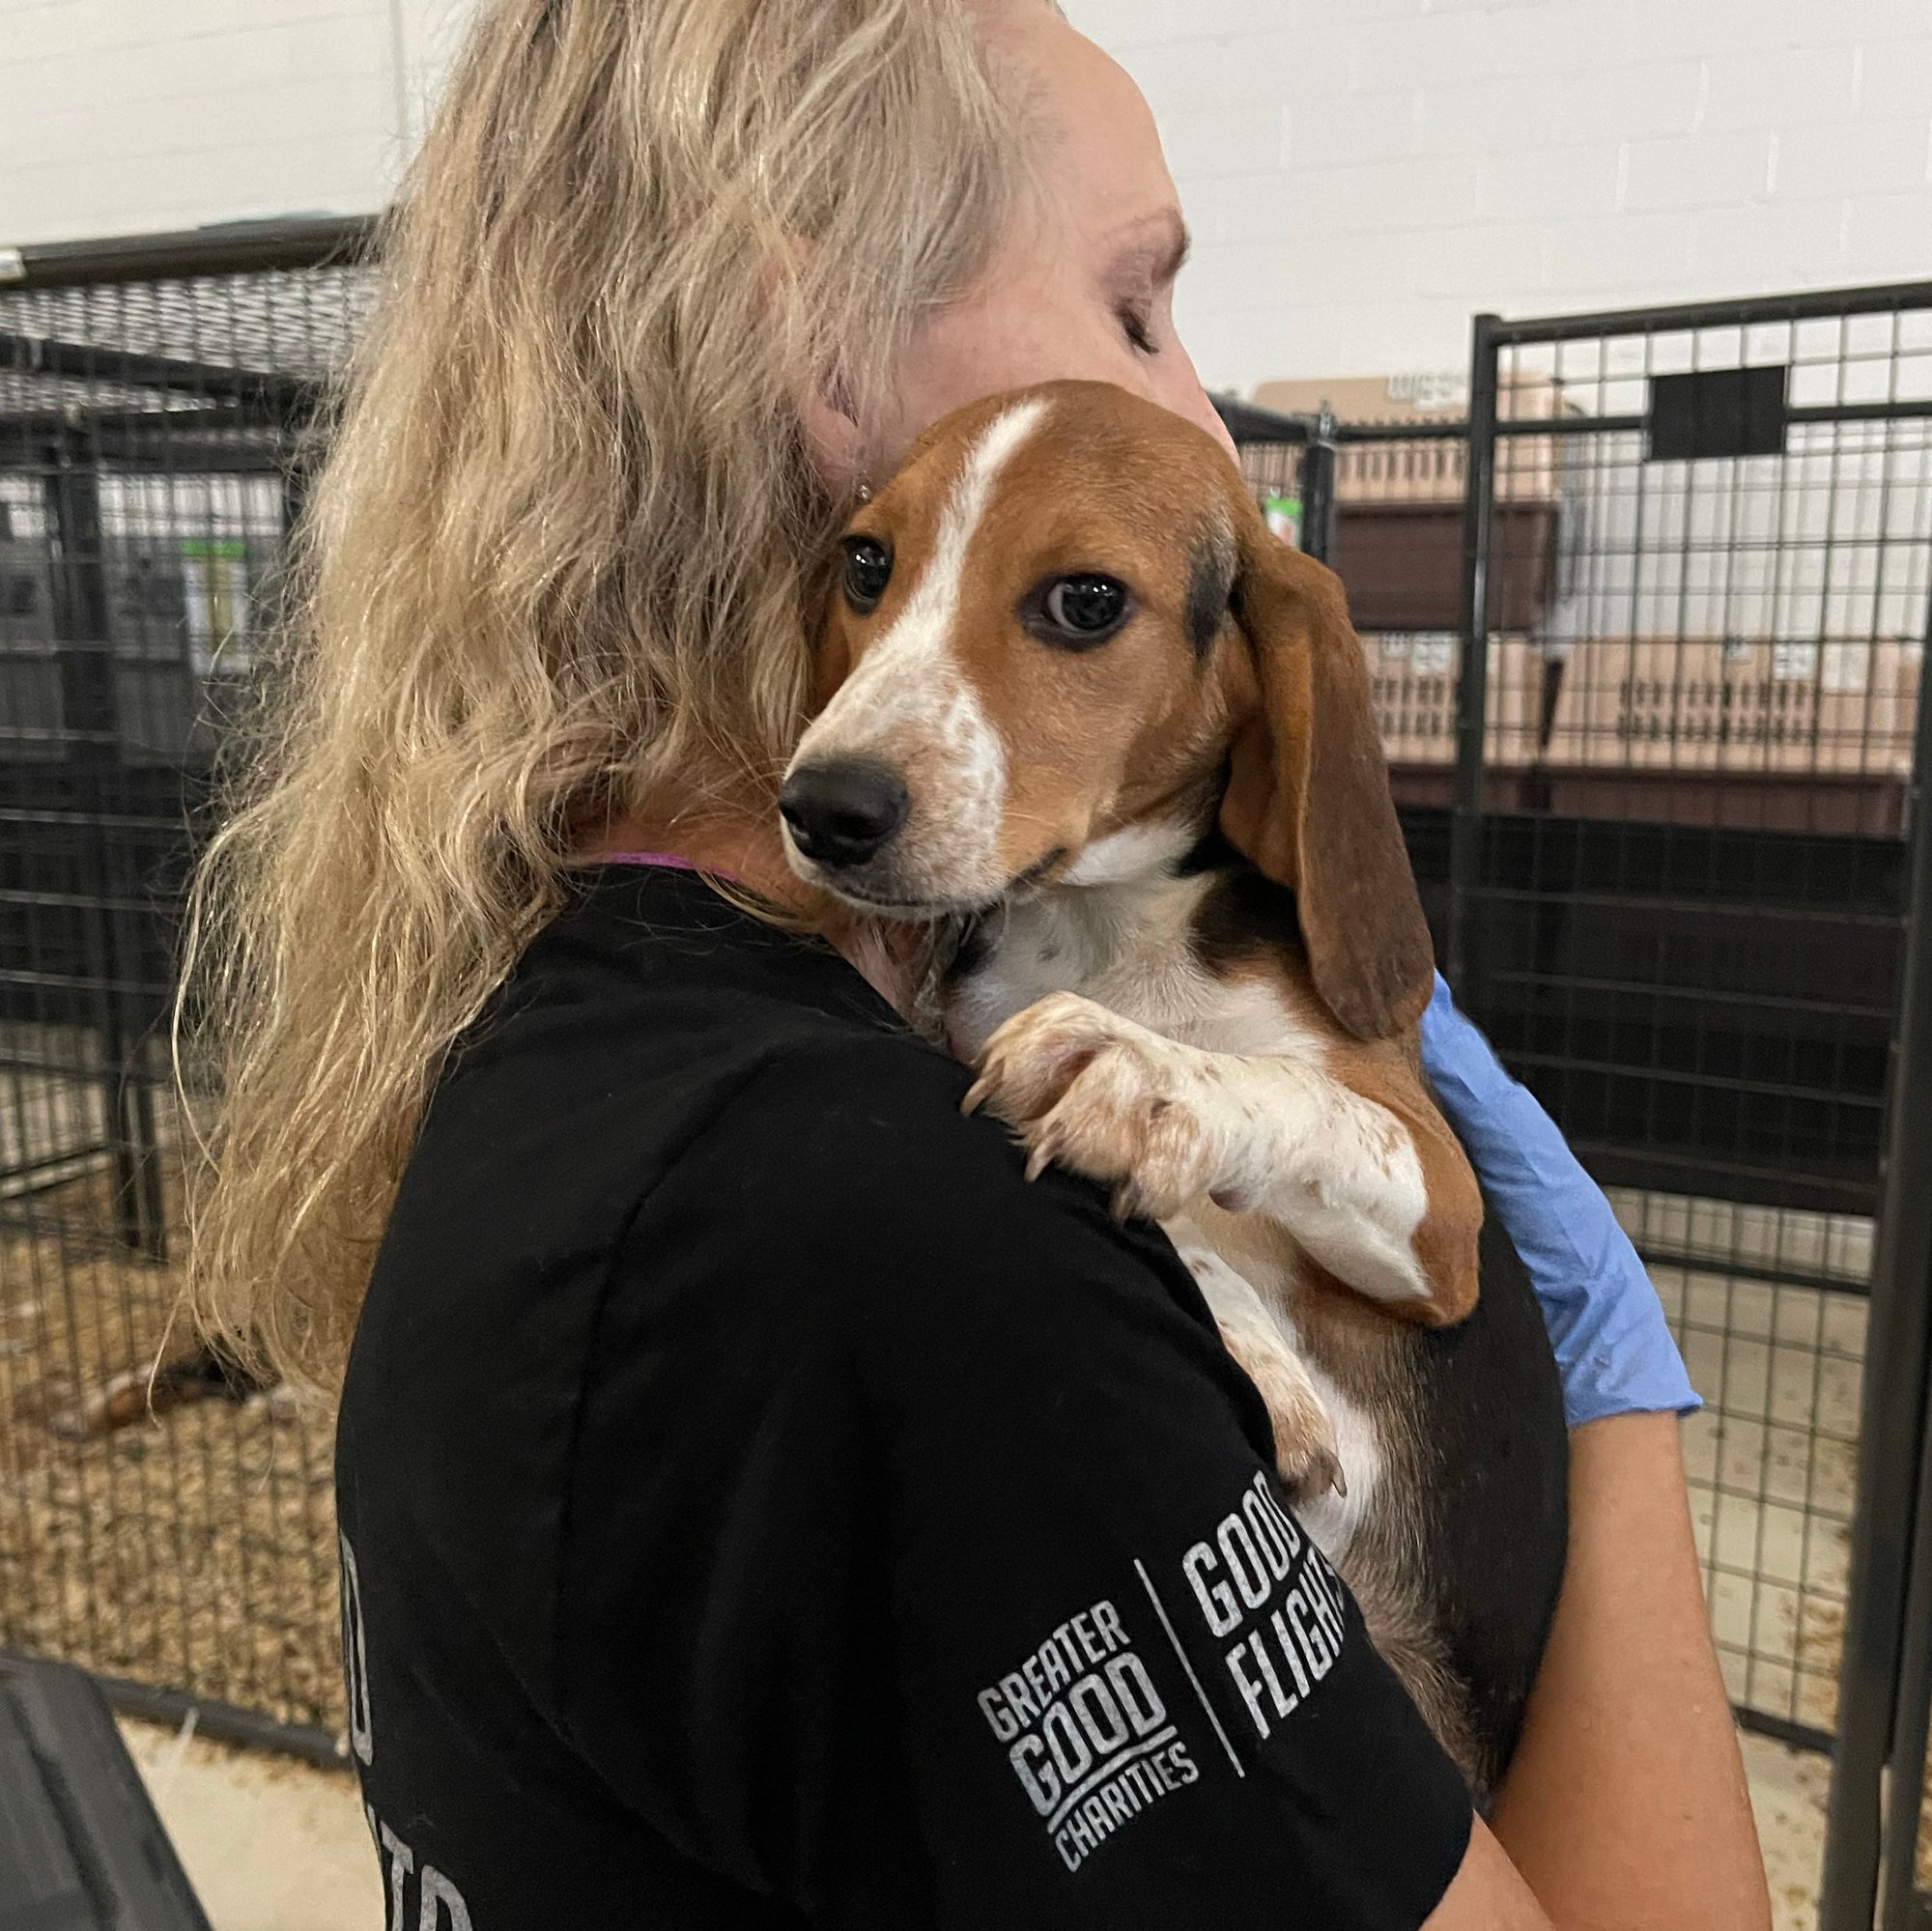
{"points": [[669, 861]]}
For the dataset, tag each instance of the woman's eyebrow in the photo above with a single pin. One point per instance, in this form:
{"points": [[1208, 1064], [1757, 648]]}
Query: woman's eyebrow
{"points": [[1158, 243], [1178, 243]]}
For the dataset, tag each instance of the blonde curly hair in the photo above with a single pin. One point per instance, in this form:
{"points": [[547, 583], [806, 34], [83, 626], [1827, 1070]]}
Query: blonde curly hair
{"points": [[562, 550]]}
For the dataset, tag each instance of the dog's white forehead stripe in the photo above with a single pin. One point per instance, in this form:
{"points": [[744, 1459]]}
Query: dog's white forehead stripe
{"points": [[934, 602], [984, 462], [905, 679], [897, 672], [909, 699]]}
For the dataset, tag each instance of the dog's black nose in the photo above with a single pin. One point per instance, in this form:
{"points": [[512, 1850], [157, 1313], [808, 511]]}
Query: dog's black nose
{"points": [[841, 811]]}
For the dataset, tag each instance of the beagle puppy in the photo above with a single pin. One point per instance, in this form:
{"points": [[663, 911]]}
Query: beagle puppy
{"points": [[1076, 696]]}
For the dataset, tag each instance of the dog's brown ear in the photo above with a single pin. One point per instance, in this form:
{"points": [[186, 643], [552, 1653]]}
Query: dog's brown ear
{"points": [[1308, 797]]}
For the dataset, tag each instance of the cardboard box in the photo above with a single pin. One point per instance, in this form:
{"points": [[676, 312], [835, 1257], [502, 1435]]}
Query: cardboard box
{"points": [[1739, 705], [1413, 687], [1430, 469]]}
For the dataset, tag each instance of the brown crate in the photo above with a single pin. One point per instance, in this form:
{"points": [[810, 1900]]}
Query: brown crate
{"points": [[1353, 399], [1403, 564], [1739, 704]]}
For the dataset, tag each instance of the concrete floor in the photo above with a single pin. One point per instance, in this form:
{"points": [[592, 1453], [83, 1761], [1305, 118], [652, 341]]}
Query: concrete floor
{"points": [[273, 1845], [1788, 1789], [269, 1843]]}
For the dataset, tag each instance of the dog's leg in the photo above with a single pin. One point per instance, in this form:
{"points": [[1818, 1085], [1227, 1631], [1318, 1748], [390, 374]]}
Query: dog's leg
{"points": [[1304, 1439], [1373, 1189]]}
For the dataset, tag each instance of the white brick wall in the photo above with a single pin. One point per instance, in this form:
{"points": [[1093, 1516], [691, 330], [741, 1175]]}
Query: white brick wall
{"points": [[1360, 174], [119, 116], [1363, 174]]}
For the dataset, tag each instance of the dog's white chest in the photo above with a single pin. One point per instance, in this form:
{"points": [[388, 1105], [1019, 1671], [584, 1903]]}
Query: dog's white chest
{"points": [[1128, 946]]}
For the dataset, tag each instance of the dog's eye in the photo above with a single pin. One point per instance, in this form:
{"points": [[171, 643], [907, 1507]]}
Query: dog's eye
{"points": [[868, 569], [1085, 608]]}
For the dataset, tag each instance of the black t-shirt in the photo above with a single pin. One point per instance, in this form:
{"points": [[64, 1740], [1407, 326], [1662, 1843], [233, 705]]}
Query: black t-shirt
{"points": [[761, 1507]]}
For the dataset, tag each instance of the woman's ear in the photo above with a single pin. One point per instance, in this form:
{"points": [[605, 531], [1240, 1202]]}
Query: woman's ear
{"points": [[1308, 799], [821, 396], [834, 442]]}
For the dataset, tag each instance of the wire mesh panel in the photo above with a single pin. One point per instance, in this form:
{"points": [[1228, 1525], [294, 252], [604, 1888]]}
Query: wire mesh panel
{"points": [[148, 436], [1677, 898], [1682, 915]]}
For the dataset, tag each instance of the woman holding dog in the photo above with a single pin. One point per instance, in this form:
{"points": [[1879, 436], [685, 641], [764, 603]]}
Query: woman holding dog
{"points": [[759, 1507]]}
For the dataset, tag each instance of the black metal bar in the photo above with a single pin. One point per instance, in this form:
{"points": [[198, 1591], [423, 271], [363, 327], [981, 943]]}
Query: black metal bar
{"points": [[131, 1157], [298, 480], [1911, 1717], [155, 456], [1710, 1081], [1451, 431], [90, 728], [224, 248], [1766, 1273], [1859, 411], [170, 375], [221, 1722], [146, 442], [68, 1157], [1318, 491], [1606, 425], [51, 978], [1787, 1005], [1572, 425], [1696, 1170], [88, 707], [37, 426], [1898, 1351], [1465, 823], [1733, 314], [74, 819], [1782, 1730], [1246, 423]]}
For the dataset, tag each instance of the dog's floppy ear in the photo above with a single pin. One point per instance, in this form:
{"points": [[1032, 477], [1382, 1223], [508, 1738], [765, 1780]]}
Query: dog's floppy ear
{"points": [[1308, 798]]}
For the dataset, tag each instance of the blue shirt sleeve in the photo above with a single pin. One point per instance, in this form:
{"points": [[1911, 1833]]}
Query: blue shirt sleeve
{"points": [[1613, 1348]]}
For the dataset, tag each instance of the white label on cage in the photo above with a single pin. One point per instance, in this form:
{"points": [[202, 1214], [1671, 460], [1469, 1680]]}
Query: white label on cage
{"points": [[1395, 646], [1429, 389], [1794, 662], [13, 265], [1846, 667], [1432, 655], [215, 583], [1739, 649]]}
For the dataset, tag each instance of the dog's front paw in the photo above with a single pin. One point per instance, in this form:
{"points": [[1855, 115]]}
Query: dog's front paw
{"points": [[1099, 1095]]}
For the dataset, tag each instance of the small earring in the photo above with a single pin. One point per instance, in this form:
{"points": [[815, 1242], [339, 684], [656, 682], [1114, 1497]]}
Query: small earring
{"points": [[865, 490]]}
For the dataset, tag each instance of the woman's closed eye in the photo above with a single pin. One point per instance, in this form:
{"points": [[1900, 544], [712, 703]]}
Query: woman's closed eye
{"points": [[1140, 279], [1136, 320]]}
